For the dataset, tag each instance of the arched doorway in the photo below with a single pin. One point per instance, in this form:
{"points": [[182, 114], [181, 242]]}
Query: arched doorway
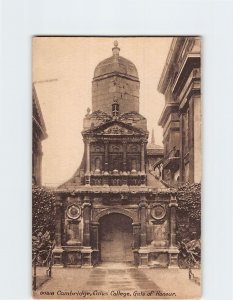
{"points": [[116, 238]]}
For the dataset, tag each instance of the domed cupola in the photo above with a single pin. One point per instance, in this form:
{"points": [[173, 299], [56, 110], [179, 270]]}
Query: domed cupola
{"points": [[117, 77], [116, 64]]}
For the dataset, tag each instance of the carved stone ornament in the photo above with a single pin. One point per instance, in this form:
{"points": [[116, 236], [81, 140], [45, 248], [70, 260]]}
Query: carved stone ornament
{"points": [[115, 130], [158, 212], [74, 212]]}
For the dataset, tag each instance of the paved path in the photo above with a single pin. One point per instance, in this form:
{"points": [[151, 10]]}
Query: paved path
{"points": [[118, 282], [120, 279]]}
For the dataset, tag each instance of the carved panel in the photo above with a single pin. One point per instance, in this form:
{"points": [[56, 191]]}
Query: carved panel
{"points": [[160, 234], [114, 130], [73, 258], [72, 233], [118, 130]]}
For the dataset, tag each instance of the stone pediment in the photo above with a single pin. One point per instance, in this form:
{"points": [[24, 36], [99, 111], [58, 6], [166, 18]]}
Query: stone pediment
{"points": [[115, 128], [118, 130]]}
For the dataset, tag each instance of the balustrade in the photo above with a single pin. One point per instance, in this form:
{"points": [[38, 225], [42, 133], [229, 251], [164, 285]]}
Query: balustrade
{"points": [[118, 180]]}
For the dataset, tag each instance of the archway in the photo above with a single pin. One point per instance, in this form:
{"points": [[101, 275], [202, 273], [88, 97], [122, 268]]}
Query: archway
{"points": [[116, 238]]}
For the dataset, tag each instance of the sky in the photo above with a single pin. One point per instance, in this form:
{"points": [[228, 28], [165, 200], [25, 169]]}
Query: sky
{"points": [[62, 71]]}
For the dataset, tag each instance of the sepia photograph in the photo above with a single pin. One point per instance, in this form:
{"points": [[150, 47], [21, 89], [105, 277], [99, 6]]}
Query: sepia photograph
{"points": [[116, 167]]}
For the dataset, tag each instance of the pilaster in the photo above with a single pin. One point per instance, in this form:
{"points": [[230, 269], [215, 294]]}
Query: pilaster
{"points": [[86, 221], [86, 250], [106, 145], [173, 250], [136, 235], [58, 251], [143, 158], [124, 157], [94, 228], [87, 174], [181, 147], [191, 139], [143, 251]]}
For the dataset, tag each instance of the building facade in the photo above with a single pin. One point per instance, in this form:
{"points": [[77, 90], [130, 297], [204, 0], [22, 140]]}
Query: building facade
{"points": [[180, 82], [114, 208], [38, 135]]}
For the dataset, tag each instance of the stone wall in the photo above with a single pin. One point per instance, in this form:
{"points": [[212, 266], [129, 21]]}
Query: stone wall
{"points": [[125, 90], [80, 222]]}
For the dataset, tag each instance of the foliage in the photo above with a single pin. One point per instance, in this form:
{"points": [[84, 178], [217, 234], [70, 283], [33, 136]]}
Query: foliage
{"points": [[189, 211], [42, 246], [191, 253], [43, 223], [189, 224]]}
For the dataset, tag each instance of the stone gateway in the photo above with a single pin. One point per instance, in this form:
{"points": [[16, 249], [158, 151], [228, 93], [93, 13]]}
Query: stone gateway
{"points": [[114, 209]]}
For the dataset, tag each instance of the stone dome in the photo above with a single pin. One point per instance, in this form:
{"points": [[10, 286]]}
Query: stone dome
{"points": [[116, 64], [115, 78]]}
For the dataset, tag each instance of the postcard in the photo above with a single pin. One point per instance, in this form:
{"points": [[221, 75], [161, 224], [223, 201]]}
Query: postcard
{"points": [[116, 167]]}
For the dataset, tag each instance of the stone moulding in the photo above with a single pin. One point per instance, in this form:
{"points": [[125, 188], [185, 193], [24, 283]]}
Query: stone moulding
{"points": [[112, 210]]}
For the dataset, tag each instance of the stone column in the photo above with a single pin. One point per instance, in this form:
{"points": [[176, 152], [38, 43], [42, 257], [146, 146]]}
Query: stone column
{"points": [[181, 147], [136, 235], [88, 169], [95, 242], [173, 250], [86, 221], [58, 216], [143, 206], [106, 143], [136, 242], [143, 158], [86, 251], [172, 224], [58, 251], [124, 157], [143, 251], [191, 138]]}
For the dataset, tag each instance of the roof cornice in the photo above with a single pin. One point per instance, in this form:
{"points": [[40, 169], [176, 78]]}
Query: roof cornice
{"points": [[41, 121], [177, 42], [169, 107]]}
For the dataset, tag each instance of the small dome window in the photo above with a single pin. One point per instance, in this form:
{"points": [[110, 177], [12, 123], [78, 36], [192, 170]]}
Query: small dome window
{"points": [[115, 107]]}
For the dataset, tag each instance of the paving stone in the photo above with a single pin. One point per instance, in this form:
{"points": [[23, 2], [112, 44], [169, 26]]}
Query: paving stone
{"points": [[125, 281]]}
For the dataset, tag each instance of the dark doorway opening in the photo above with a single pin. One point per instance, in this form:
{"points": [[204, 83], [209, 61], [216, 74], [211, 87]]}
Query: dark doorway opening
{"points": [[116, 238]]}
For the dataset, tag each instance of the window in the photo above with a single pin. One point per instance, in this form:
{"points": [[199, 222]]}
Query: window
{"points": [[115, 109]]}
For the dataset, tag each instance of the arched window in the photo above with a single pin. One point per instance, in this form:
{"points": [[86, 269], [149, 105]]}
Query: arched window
{"points": [[98, 164], [133, 165], [115, 109]]}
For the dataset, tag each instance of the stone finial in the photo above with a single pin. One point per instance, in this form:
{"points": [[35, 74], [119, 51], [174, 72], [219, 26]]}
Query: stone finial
{"points": [[115, 99], [115, 49]]}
